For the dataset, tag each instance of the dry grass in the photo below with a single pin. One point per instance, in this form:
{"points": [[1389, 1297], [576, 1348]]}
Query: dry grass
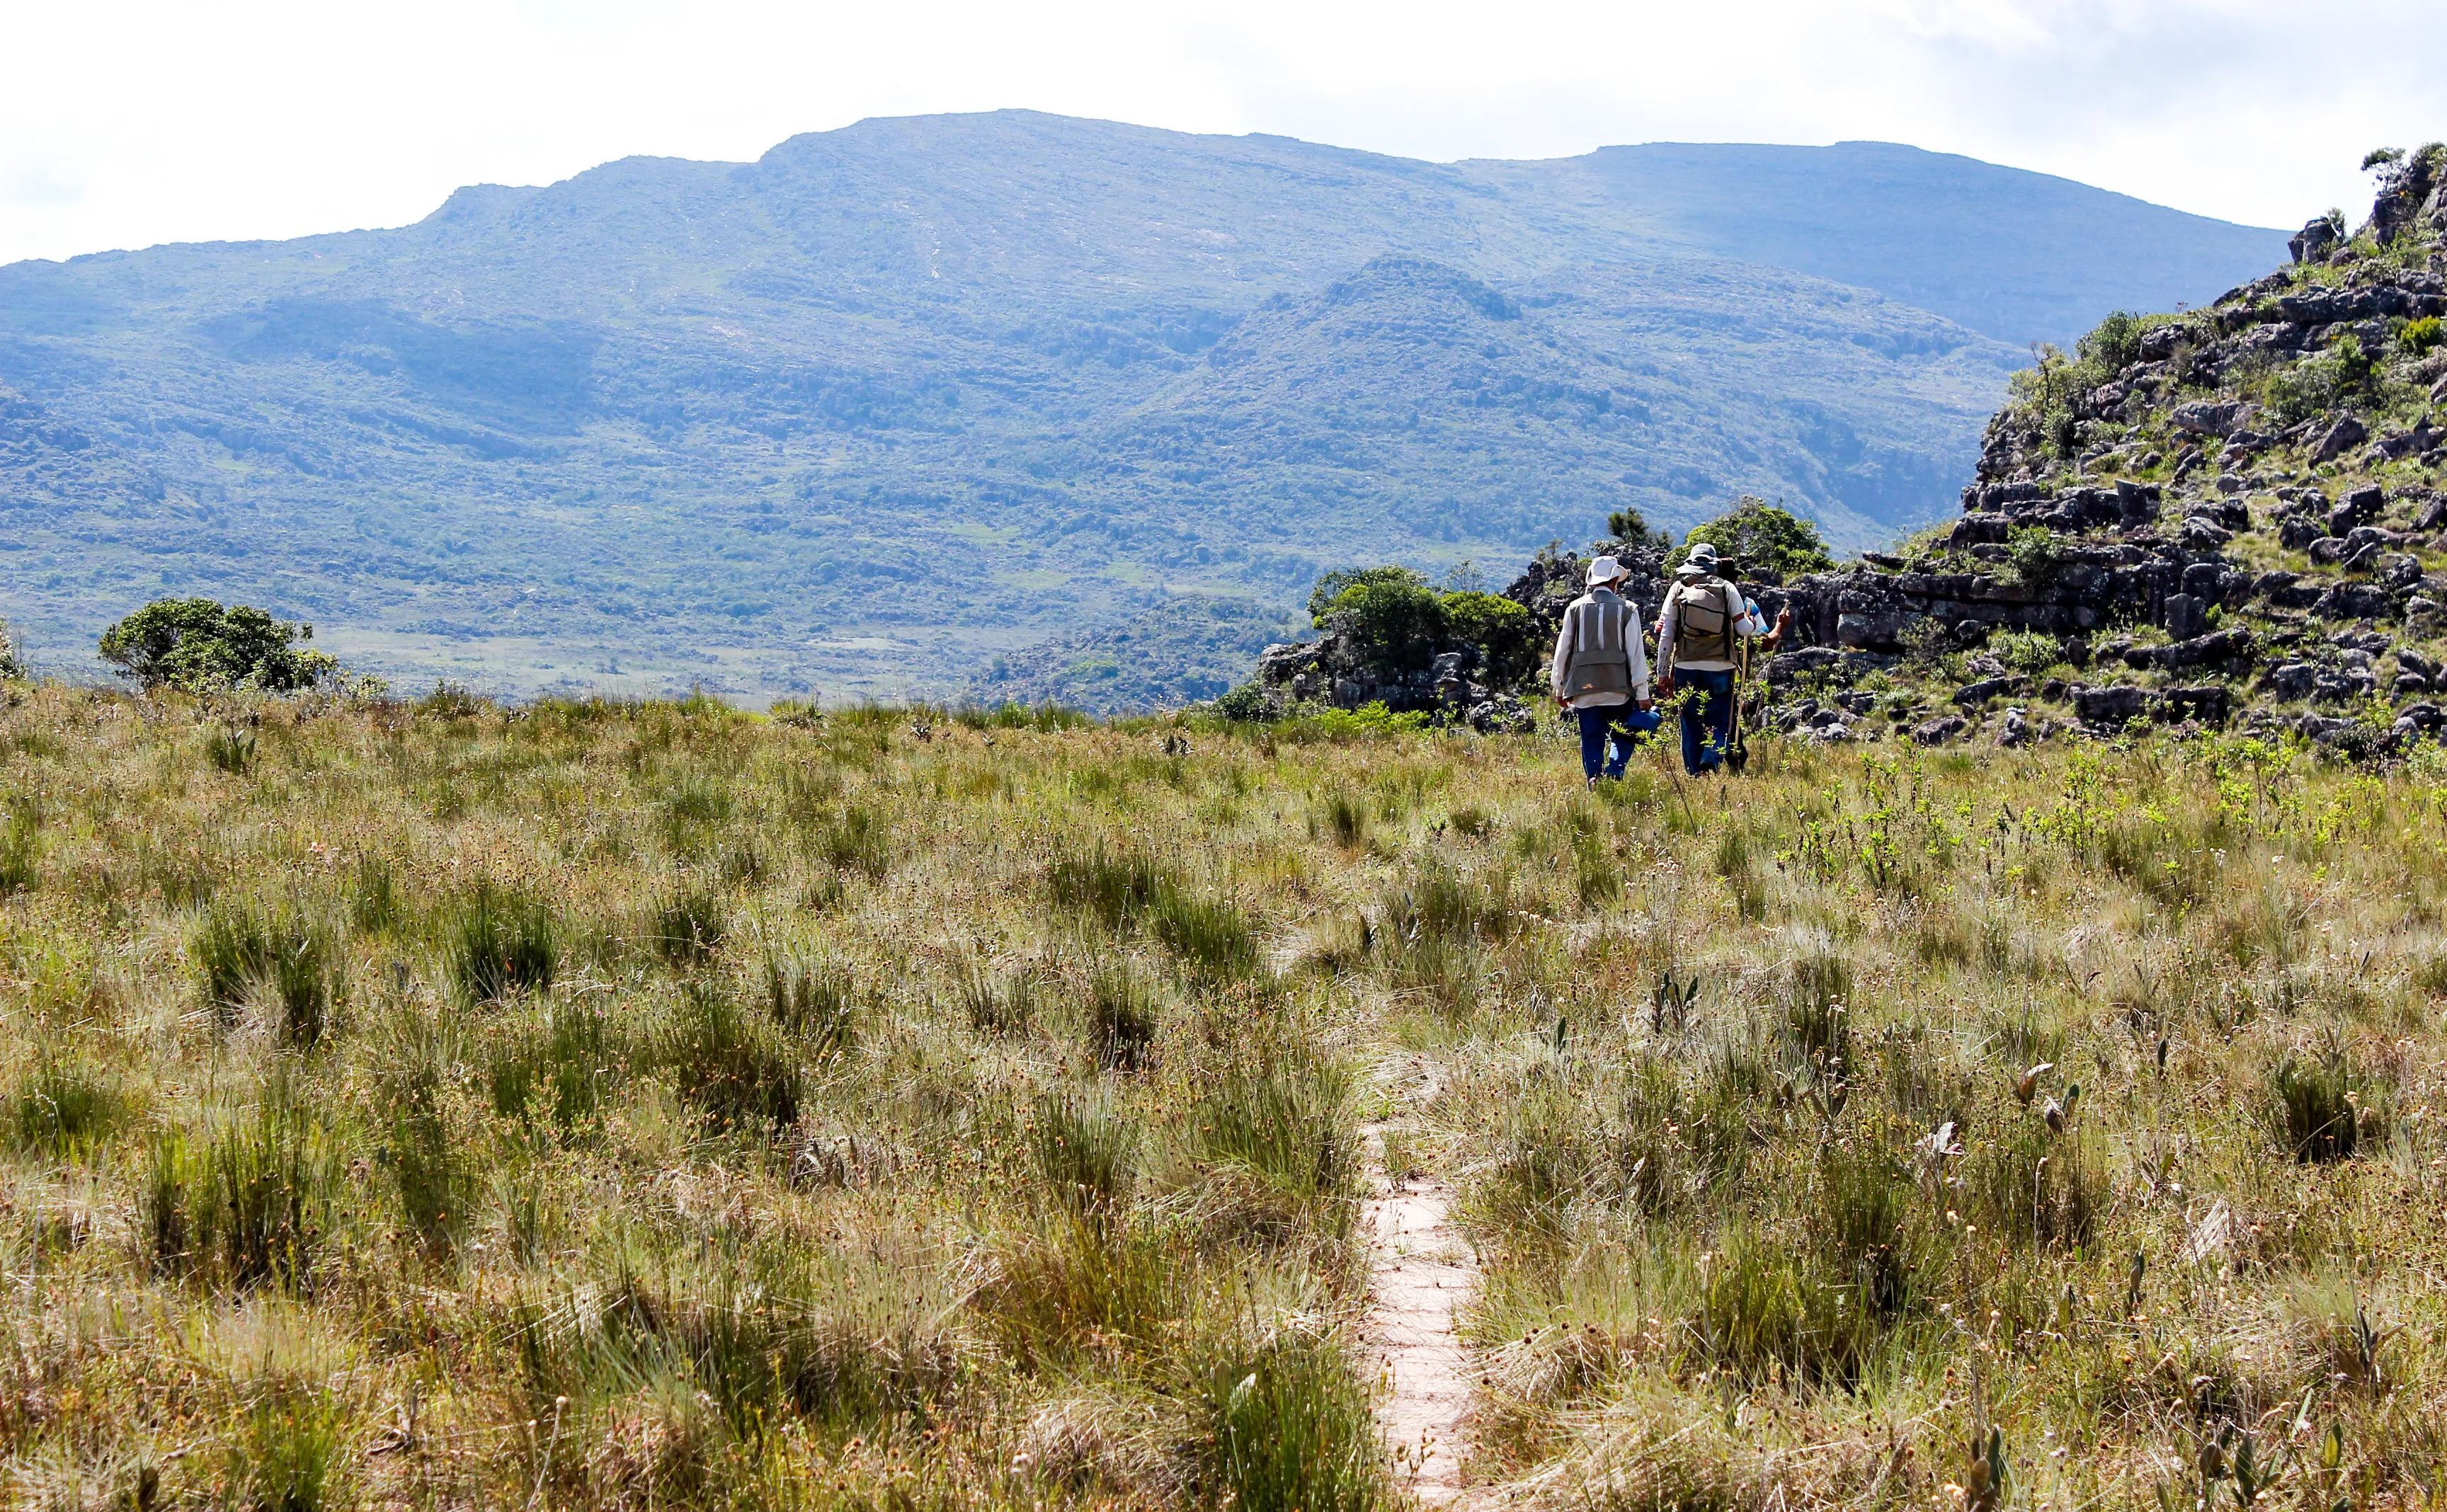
{"points": [[645, 1106]]}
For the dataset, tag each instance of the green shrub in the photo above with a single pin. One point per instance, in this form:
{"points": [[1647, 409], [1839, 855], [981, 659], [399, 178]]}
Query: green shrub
{"points": [[1245, 705], [1503, 632], [2035, 555], [501, 944], [2419, 336], [2028, 652], [198, 645], [1759, 539], [1397, 619]]}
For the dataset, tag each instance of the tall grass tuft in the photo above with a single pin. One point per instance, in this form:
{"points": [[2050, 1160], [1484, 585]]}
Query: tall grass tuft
{"points": [[857, 839], [999, 1005], [250, 1206], [736, 1066], [1289, 1429], [2323, 1108], [285, 960], [1122, 1019], [815, 1002], [1085, 1154], [1210, 934], [501, 945], [290, 1451], [1288, 1121], [554, 1072], [428, 1165], [690, 925], [21, 852], [64, 1108]]}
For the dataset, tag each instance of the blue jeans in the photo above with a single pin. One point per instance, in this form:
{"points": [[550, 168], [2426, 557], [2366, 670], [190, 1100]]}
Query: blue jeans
{"points": [[1607, 736], [1707, 719]]}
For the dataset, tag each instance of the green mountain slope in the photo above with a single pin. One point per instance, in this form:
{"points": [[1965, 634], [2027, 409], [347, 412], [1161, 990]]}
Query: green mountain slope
{"points": [[896, 399]]}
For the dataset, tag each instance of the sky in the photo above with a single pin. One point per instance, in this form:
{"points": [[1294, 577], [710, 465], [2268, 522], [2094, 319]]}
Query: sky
{"points": [[128, 123]]}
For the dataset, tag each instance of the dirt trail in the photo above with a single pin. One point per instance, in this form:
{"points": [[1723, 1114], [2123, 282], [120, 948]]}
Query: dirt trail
{"points": [[1421, 1273]]}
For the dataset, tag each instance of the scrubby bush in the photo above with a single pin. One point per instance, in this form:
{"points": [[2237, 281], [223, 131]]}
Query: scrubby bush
{"points": [[201, 645], [1759, 539], [1503, 632]]}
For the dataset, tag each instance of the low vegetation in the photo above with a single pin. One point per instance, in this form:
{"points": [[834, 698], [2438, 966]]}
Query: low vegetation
{"points": [[597, 1104]]}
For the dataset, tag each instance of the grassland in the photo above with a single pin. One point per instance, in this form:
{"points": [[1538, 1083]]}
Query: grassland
{"points": [[654, 1106]]}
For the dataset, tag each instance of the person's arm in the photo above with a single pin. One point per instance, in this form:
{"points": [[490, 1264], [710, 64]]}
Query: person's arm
{"points": [[1665, 626], [1562, 665], [1639, 652]]}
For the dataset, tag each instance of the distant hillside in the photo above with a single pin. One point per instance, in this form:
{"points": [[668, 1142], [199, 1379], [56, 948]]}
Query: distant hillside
{"points": [[2021, 257], [896, 399]]}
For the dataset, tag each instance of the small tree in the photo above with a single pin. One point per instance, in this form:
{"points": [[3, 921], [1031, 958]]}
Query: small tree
{"points": [[200, 646], [1503, 632], [12, 655], [1334, 585], [1762, 539], [1398, 619], [1631, 527]]}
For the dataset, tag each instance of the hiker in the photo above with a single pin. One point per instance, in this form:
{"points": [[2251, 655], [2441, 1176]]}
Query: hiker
{"points": [[1600, 672], [1703, 616]]}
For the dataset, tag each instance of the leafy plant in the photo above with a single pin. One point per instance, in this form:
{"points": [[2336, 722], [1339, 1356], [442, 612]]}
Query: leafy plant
{"points": [[200, 646], [1764, 540]]}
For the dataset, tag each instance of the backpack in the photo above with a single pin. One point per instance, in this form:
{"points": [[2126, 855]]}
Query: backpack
{"points": [[1702, 623]]}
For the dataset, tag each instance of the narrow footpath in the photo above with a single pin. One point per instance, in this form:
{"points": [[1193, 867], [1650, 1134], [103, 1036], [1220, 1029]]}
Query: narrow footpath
{"points": [[1421, 1271]]}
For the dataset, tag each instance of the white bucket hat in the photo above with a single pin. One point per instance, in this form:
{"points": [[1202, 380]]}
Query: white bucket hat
{"points": [[1702, 560], [1605, 569]]}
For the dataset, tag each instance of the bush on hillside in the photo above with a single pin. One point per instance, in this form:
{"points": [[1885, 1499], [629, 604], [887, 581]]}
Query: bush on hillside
{"points": [[1334, 586], [1503, 632], [1397, 620], [1631, 527], [200, 646], [1761, 541]]}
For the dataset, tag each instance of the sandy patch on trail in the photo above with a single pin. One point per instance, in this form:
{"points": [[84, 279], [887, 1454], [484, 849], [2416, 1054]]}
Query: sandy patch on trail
{"points": [[1421, 1272]]}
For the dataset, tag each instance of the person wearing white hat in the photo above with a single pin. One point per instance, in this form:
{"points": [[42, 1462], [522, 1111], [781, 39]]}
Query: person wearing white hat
{"points": [[1696, 626], [1600, 672]]}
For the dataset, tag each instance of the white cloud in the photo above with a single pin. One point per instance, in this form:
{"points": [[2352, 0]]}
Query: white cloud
{"points": [[124, 122]]}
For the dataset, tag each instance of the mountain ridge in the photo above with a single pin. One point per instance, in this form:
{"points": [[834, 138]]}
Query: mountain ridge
{"points": [[729, 423]]}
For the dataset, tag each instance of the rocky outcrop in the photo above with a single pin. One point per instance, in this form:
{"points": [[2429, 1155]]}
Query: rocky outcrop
{"points": [[2217, 515]]}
